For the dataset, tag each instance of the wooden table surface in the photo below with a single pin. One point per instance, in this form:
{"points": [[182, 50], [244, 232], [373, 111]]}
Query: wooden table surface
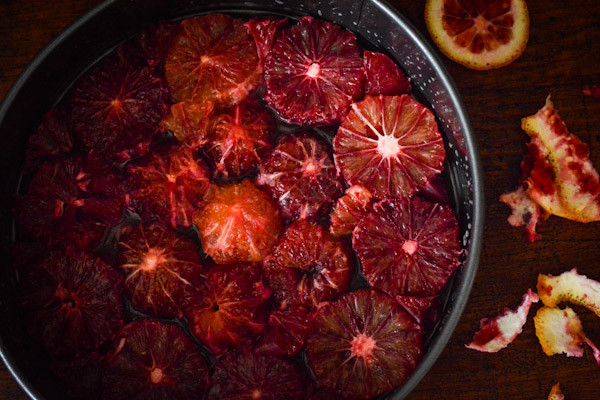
{"points": [[562, 56]]}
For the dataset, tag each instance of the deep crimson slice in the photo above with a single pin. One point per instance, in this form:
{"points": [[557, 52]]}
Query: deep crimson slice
{"points": [[363, 345], [313, 73], [301, 176], [168, 185], [79, 375], [153, 43], [152, 360], [265, 31], [51, 140], [408, 247], [349, 210], [308, 265], [72, 301], [162, 269], [189, 121], [389, 144], [239, 138], [238, 223], [286, 332], [243, 375], [69, 203], [116, 108], [213, 59], [231, 310], [383, 76]]}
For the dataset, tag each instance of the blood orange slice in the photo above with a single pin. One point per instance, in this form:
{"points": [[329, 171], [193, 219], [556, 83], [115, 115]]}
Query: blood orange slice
{"points": [[383, 76], [213, 59], [408, 247], [162, 268], [51, 140], [390, 145], [573, 192], [265, 31], [152, 360], [479, 34], [349, 210], [72, 301], [308, 265], [168, 186], [243, 375], [286, 332], [301, 176], [232, 307], [116, 108], [188, 122], [239, 223], [313, 73], [239, 137], [363, 345]]}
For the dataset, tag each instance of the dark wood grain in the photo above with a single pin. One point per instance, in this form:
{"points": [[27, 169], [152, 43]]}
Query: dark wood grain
{"points": [[563, 55]]}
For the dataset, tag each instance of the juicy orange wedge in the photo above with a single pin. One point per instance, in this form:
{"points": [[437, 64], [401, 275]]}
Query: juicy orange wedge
{"points": [[479, 34]]}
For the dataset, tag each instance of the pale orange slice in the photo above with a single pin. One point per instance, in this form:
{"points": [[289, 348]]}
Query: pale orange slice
{"points": [[479, 34]]}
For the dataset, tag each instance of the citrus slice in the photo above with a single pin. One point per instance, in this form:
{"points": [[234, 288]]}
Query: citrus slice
{"points": [[408, 247], [389, 144], [239, 223], [214, 59], [349, 210], [313, 73], [497, 333], [560, 332], [232, 308], [163, 269], [479, 34], [383, 76], [573, 192], [363, 345]]}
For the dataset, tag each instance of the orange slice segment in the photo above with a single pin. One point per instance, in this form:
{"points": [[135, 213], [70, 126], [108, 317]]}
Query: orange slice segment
{"points": [[479, 34]]}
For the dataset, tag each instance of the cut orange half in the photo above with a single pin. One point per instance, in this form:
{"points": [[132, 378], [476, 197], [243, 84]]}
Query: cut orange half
{"points": [[479, 34]]}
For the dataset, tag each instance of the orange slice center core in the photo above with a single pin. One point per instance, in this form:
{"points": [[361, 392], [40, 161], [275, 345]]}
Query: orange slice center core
{"points": [[410, 247], [256, 394], [362, 346], [116, 104], [314, 70], [156, 375], [310, 167], [388, 146], [152, 259], [205, 59]]}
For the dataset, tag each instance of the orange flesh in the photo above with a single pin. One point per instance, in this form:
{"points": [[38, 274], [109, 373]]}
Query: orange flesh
{"points": [[156, 375], [478, 24]]}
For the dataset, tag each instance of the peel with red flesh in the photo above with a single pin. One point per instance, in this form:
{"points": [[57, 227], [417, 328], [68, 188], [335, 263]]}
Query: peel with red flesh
{"points": [[560, 332], [408, 247], [313, 72], [244, 375], [213, 59], [162, 269], [363, 345], [300, 174], [526, 213], [308, 266], [168, 186], [383, 76], [495, 334], [238, 223], [231, 308], [390, 145], [152, 360], [72, 301], [570, 287], [574, 190]]}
